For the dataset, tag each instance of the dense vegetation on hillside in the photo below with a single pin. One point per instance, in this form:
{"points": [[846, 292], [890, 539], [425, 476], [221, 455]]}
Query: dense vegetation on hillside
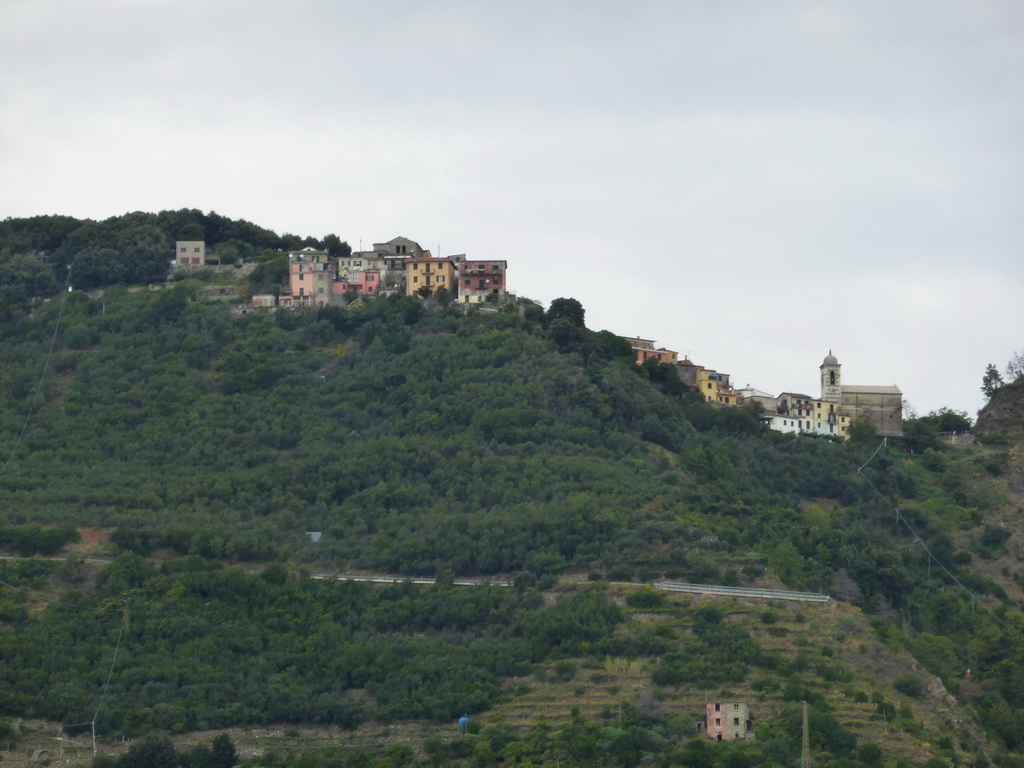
{"points": [[42, 253], [420, 441], [208, 647]]}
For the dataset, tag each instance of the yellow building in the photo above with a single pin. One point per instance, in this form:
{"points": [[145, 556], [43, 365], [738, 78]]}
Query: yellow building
{"points": [[713, 386], [727, 396], [430, 274], [827, 419], [707, 385]]}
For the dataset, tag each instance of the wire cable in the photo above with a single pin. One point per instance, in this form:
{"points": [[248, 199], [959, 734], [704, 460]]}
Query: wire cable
{"points": [[901, 518], [37, 390], [36, 596], [110, 674]]}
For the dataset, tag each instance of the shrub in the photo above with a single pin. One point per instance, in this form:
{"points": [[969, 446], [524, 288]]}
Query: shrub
{"points": [[566, 670], [909, 684]]}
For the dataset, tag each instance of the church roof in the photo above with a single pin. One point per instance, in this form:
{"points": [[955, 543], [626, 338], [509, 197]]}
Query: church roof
{"points": [[870, 389]]}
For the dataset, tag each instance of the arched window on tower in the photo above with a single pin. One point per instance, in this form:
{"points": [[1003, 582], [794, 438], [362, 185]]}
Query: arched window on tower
{"points": [[832, 378]]}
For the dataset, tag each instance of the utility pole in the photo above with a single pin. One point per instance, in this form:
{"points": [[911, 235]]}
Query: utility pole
{"points": [[805, 749]]}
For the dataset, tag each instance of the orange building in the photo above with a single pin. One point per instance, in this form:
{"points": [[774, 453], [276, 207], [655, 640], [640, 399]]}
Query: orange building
{"points": [[430, 274], [644, 349]]}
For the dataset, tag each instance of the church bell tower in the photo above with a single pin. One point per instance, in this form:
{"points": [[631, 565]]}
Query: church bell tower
{"points": [[831, 389]]}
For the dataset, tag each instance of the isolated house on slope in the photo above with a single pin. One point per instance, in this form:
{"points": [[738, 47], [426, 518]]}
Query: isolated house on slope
{"points": [[189, 253], [726, 721]]}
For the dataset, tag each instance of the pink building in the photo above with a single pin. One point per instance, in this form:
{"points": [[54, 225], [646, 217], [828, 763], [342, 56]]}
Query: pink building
{"points": [[311, 276], [365, 283], [481, 281], [726, 721]]}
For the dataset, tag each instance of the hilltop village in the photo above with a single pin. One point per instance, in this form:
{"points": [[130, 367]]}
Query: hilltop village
{"points": [[831, 413], [402, 266], [399, 266]]}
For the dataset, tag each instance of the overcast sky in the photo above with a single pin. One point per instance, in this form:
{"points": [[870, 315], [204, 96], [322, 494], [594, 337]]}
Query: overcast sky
{"points": [[751, 182]]}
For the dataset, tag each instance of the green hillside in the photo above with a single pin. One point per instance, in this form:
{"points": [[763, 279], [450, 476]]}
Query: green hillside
{"points": [[154, 428]]}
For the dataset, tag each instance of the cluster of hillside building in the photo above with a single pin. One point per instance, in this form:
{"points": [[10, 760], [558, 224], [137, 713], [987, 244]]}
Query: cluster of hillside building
{"points": [[829, 414], [401, 266], [398, 266]]}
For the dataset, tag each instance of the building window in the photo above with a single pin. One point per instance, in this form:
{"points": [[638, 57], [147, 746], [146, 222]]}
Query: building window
{"points": [[195, 250], [735, 721]]}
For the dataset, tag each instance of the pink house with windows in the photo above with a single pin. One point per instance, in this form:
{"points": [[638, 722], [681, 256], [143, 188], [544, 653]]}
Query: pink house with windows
{"points": [[311, 275], [365, 283], [727, 721], [481, 281]]}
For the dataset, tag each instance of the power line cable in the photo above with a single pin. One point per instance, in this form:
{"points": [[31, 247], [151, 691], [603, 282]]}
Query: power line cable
{"points": [[37, 390], [36, 596], [113, 661], [975, 598]]}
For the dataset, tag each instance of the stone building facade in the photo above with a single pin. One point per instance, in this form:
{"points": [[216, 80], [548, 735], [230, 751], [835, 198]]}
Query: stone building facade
{"points": [[880, 405], [726, 721]]}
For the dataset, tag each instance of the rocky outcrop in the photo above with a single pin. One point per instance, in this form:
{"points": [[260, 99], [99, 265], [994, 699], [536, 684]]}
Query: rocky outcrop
{"points": [[1004, 412]]}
